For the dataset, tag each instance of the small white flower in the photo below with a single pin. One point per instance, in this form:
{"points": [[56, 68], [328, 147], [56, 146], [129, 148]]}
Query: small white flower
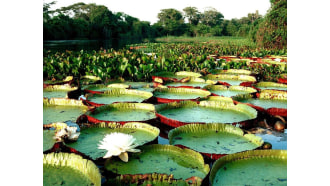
{"points": [[69, 133], [118, 144]]}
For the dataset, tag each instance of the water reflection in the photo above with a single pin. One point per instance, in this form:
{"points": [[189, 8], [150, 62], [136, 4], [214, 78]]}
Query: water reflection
{"points": [[76, 45]]}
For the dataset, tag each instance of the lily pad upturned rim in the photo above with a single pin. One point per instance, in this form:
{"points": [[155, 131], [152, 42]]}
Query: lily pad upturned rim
{"points": [[251, 154], [217, 104], [248, 90], [188, 74], [203, 93], [63, 102], [84, 166], [64, 87], [186, 153], [269, 84], [220, 127], [246, 78], [89, 88], [273, 94], [153, 179], [232, 71], [66, 80]]}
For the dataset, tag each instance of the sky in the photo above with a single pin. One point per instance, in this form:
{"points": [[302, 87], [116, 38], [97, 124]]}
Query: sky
{"points": [[147, 10]]}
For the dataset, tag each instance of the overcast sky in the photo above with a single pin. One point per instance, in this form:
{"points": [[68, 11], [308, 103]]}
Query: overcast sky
{"points": [[147, 10]]}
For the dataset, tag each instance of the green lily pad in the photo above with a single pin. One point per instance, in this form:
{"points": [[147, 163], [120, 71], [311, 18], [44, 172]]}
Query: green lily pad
{"points": [[230, 91], [266, 103], [172, 94], [102, 87], [91, 136], [49, 134], [69, 169], [119, 95], [58, 82], [192, 82], [48, 139], [256, 167], [271, 85], [89, 79], [215, 138], [57, 91], [124, 112], [188, 74], [268, 99], [60, 110], [206, 112], [231, 79], [162, 159], [135, 85], [231, 71]]}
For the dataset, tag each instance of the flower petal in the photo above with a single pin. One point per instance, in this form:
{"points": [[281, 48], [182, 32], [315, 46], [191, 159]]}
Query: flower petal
{"points": [[124, 156], [107, 155]]}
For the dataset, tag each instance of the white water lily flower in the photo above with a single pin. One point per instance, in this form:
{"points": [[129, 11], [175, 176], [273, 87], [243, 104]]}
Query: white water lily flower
{"points": [[69, 133], [118, 144]]}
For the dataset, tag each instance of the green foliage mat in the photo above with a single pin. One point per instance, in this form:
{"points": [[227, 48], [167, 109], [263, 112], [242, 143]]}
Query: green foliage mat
{"points": [[164, 159]]}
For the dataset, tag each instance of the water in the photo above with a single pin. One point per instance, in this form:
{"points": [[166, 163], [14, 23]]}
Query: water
{"points": [[77, 45]]}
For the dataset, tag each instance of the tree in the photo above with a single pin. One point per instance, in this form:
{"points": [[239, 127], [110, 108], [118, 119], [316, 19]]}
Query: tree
{"points": [[211, 17], [192, 14], [172, 21], [272, 31]]}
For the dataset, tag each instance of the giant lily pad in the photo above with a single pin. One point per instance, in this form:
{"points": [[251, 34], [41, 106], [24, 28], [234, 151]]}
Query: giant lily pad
{"points": [[91, 136], [256, 167], [176, 77], [166, 95], [214, 140], [122, 113], [231, 91], [60, 110], [57, 91], [100, 88], [66, 80], [231, 71], [69, 169], [231, 79], [48, 135], [271, 85], [136, 85], [118, 95], [191, 82], [273, 102], [162, 159], [181, 113]]}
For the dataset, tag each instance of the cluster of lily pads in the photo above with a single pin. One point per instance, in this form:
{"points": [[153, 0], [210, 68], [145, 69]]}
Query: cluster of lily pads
{"points": [[106, 132]]}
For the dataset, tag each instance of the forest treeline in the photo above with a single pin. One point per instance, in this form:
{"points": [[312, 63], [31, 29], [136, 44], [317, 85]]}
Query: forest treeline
{"points": [[91, 21]]}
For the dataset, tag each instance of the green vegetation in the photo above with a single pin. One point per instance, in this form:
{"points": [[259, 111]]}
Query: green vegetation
{"points": [[91, 21]]}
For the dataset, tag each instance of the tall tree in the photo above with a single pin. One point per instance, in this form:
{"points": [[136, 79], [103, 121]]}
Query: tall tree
{"points": [[172, 21], [211, 17], [192, 14]]}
